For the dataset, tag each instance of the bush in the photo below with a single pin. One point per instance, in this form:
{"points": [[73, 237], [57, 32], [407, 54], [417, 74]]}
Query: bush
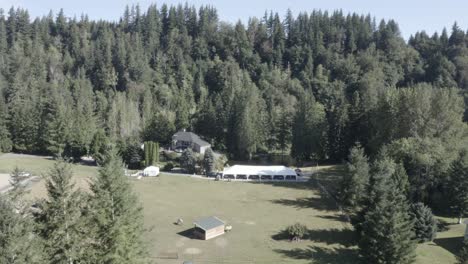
{"points": [[171, 156], [296, 231], [425, 225], [168, 167]]}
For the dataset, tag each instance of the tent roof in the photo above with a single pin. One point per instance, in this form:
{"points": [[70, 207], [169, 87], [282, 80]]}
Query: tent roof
{"points": [[259, 170], [151, 168], [208, 223]]}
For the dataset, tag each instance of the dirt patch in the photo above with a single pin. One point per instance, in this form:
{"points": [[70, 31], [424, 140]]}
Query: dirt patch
{"points": [[181, 242], [193, 251], [221, 242], [250, 223]]}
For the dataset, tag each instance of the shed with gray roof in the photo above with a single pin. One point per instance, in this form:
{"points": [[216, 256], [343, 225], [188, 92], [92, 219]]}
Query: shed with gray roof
{"points": [[209, 227]]}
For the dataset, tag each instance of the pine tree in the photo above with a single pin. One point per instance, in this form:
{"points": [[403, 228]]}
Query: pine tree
{"points": [[208, 161], [115, 216], [458, 186], [19, 244], [151, 153], [462, 257], [356, 180], [18, 189], [61, 221], [425, 225], [188, 161], [385, 233]]}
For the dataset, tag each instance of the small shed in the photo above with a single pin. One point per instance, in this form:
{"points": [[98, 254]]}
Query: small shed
{"points": [[151, 171], [209, 227]]}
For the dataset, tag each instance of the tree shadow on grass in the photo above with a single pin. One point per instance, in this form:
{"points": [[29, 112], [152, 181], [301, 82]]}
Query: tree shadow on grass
{"points": [[318, 203], [451, 244], [345, 237], [322, 255], [334, 217], [308, 185]]}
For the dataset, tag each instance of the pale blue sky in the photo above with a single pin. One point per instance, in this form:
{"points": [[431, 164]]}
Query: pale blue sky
{"points": [[411, 15]]}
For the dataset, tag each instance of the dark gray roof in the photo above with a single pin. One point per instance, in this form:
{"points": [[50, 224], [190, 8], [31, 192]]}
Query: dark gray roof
{"points": [[190, 137], [208, 223]]}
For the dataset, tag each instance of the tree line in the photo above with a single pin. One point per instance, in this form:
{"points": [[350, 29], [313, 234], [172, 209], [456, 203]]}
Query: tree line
{"points": [[311, 85]]}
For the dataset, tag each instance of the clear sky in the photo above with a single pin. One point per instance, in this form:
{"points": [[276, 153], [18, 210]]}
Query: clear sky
{"points": [[411, 15]]}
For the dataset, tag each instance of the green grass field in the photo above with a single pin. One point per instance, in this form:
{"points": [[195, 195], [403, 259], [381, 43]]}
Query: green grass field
{"points": [[258, 212]]}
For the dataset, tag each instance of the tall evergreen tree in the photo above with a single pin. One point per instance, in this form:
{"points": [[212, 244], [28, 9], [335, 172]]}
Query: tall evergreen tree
{"points": [[355, 181], [115, 216], [385, 233], [458, 186], [19, 244], [209, 161], [61, 222]]}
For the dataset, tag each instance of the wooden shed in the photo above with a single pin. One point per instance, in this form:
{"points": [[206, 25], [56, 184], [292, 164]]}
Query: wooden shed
{"points": [[209, 227]]}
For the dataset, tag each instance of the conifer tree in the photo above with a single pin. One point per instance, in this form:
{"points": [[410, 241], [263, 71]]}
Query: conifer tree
{"points": [[19, 244], [115, 216], [208, 161], [18, 189], [385, 233], [425, 225], [188, 160], [356, 180], [462, 257], [61, 223], [458, 186]]}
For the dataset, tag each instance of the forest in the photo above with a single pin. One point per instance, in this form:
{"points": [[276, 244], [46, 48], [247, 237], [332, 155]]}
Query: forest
{"points": [[311, 85]]}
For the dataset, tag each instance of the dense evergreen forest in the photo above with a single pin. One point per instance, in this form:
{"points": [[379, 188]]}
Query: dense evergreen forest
{"points": [[320, 86], [311, 85]]}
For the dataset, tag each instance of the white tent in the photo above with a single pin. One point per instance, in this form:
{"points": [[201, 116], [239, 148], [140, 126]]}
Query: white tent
{"points": [[259, 172], [151, 171]]}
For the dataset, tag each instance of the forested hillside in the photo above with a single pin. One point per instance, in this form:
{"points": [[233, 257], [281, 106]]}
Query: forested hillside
{"points": [[311, 84]]}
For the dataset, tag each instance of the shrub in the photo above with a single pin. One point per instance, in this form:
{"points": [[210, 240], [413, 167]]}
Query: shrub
{"points": [[425, 225], [168, 167], [296, 231]]}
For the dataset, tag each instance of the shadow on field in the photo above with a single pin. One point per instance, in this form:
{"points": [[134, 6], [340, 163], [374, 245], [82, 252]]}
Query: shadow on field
{"points": [[345, 237], [451, 244], [322, 255], [318, 203], [335, 217], [309, 185], [188, 233]]}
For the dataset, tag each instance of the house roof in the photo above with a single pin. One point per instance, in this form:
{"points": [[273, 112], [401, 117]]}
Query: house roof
{"points": [[208, 223], [259, 170], [190, 137]]}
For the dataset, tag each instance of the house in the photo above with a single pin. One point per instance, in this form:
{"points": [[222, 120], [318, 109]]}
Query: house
{"points": [[247, 172], [182, 140], [209, 227]]}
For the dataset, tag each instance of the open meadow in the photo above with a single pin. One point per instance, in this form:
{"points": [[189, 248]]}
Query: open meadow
{"points": [[258, 212]]}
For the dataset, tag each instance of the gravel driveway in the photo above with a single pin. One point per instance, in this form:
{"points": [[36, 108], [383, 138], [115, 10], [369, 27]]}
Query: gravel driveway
{"points": [[4, 181]]}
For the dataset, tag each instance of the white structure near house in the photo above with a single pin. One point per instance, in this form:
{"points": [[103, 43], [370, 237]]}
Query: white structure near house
{"points": [[248, 172], [182, 140], [151, 171]]}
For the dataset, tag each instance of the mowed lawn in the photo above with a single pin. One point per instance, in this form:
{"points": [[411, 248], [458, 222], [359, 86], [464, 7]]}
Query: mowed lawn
{"points": [[258, 212]]}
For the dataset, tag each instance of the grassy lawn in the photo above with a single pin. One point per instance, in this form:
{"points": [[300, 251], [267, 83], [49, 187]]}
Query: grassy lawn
{"points": [[258, 212]]}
